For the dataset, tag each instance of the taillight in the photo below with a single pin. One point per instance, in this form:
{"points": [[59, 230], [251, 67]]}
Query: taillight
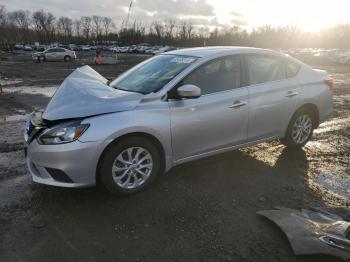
{"points": [[330, 83]]}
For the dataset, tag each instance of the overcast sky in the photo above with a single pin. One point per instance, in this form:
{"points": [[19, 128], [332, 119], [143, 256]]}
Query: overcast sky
{"points": [[308, 14]]}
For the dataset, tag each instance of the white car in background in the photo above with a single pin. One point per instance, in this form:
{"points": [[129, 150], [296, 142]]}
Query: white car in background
{"points": [[163, 50], [85, 48], [55, 54]]}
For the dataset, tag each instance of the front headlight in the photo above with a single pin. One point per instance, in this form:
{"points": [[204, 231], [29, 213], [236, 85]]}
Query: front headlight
{"points": [[63, 133]]}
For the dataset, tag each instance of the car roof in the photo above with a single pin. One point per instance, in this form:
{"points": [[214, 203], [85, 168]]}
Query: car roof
{"points": [[219, 50]]}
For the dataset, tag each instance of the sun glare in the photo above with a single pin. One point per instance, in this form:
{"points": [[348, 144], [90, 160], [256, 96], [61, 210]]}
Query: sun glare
{"points": [[311, 15]]}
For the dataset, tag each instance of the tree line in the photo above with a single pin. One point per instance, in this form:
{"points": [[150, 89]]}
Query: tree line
{"points": [[22, 26]]}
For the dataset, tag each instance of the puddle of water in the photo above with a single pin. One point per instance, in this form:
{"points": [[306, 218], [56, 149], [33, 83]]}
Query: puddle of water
{"points": [[5, 82], [14, 118], [32, 90]]}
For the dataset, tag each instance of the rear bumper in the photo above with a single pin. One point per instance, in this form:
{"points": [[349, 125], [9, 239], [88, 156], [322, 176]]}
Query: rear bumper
{"points": [[66, 165]]}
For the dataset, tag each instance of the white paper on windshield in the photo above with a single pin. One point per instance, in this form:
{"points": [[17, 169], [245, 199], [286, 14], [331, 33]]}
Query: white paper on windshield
{"points": [[182, 60]]}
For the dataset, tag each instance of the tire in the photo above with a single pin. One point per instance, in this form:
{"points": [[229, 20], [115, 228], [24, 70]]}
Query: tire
{"points": [[115, 174], [302, 123], [67, 58]]}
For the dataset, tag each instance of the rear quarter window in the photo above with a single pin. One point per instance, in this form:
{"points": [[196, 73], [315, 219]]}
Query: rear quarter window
{"points": [[292, 69], [264, 68]]}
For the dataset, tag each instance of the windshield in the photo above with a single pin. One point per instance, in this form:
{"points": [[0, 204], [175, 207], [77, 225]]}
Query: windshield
{"points": [[153, 75]]}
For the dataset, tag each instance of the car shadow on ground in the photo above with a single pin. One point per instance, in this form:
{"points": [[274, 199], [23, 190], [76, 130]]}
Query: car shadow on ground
{"points": [[200, 211]]}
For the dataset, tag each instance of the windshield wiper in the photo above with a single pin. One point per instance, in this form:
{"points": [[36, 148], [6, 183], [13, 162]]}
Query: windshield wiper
{"points": [[128, 90]]}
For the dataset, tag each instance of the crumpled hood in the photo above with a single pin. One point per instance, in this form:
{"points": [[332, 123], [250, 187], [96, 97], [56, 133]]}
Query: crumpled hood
{"points": [[85, 93]]}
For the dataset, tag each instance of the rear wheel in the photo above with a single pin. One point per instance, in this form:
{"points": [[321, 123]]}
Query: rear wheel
{"points": [[130, 165], [300, 129], [67, 58]]}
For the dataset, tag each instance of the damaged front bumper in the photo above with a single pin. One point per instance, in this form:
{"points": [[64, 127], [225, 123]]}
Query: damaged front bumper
{"points": [[65, 165]]}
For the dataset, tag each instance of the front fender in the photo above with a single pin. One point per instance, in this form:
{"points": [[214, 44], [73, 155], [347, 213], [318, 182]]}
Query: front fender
{"points": [[109, 127]]}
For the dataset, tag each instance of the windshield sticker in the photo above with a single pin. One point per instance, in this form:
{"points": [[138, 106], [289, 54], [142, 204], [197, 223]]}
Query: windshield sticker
{"points": [[182, 60]]}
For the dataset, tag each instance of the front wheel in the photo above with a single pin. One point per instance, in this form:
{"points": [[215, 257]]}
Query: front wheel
{"points": [[67, 58], [130, 165], [300, 129]]}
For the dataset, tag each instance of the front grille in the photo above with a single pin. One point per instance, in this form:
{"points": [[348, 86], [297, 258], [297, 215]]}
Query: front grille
{"points": [[59, 175]]}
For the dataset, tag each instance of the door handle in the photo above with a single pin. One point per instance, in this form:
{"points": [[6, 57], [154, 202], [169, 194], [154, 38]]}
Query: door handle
{"points": [[237, 104], [291, 94]]}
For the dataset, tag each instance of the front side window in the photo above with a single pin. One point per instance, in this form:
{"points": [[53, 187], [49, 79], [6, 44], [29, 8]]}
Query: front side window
{"points": [[262, 69], [216, 76], [153, 75]]}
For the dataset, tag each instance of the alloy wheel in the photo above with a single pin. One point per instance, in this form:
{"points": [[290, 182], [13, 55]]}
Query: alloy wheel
{"points": [[302, 129], [132, 167]]}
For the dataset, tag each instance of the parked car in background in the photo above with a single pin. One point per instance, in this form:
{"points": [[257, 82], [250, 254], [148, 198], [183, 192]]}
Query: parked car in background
{"points": [[54, 54], [163, 50], [171, 109], [73, 47], [40, 48], [141, 49], [85, 48], [19, 47], [151, 50], [28, 48]]}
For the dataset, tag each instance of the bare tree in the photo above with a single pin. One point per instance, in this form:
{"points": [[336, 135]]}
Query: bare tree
{"points": [[77, 28], [97, 21], [21, 20], [65, 28], [22, 27], [107, 25], [169, 28], [3, 16], [86, 24], [183, 30], [44, 25], [159, 28], [189, 30]]}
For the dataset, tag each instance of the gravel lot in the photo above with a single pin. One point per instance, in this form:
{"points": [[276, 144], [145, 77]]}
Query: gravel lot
{"points": [[200, 211]]}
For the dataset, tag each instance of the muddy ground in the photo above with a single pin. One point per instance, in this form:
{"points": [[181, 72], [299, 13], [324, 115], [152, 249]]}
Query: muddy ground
{"points": [[200, 211]]}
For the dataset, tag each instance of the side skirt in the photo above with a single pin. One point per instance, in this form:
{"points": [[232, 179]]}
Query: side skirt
{"points": [[223, 150]]}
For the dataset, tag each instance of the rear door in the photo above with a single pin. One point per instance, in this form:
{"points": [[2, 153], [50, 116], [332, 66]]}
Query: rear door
{"points": [[273, 95], [60, 54], [217, 119], [50, 55]]}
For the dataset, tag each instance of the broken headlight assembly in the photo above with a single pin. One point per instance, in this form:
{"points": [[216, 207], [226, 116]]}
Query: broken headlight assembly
{"points": [[63, 133]]}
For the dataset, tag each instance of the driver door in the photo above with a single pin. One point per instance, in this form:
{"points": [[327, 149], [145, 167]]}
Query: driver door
{"points": [[216, 120]]}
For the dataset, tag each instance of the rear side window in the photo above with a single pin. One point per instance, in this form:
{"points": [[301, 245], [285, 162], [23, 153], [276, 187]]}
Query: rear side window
{"points": [[216, 76], [292, 69], [262, 69]]}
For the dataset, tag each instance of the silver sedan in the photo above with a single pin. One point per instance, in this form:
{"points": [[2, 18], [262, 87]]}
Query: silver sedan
{"points": [[170, 109], [54, 54]]}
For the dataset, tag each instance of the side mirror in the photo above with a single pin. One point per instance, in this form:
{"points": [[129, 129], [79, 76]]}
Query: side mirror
{"points": [[189, 91]]}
